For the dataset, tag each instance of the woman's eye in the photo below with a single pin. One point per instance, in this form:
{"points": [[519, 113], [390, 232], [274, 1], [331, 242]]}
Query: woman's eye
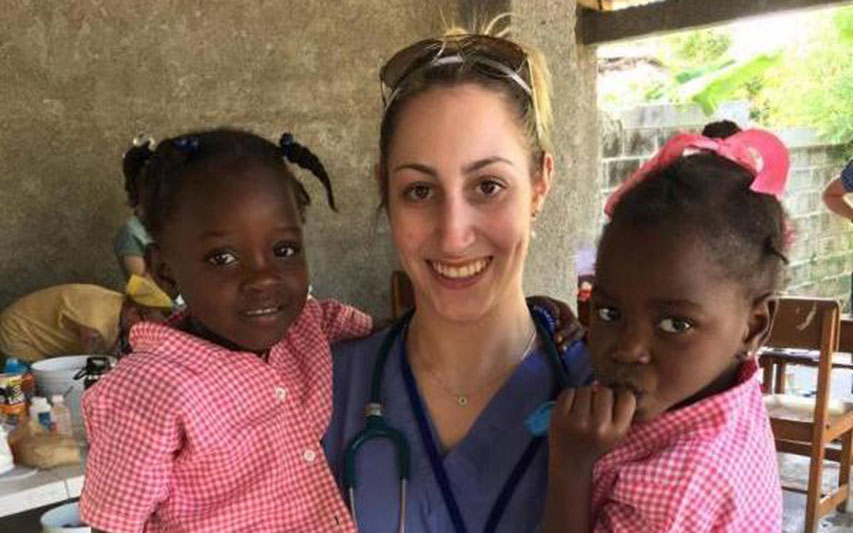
{"points": [[286, 250], [489, 187], [675, 325], [418, 192], [221, 258], [607, 314]]}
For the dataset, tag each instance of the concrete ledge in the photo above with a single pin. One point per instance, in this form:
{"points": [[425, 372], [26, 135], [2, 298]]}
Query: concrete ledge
{"points": [[599, 27]]}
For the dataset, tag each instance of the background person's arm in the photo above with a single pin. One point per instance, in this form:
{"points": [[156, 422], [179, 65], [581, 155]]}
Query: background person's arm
{"points": [[91, 341], [134, 264], [834, 197]]}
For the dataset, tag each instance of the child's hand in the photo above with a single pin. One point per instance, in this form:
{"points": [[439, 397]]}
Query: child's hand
{"points": [[588, 422]]}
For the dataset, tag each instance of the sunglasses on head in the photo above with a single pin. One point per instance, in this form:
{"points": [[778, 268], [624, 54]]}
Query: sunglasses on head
{"points": [[491, 56]]}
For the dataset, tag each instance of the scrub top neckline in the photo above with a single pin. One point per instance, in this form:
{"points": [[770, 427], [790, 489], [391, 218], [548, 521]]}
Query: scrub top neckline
{"points": [[467, 454]]}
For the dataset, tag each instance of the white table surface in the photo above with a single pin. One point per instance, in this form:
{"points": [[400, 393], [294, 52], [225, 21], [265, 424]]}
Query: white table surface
{"points": [[45, 487]]}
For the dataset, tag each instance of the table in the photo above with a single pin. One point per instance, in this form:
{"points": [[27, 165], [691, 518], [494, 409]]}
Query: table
{"points": [[775, 361], [45, 487]]}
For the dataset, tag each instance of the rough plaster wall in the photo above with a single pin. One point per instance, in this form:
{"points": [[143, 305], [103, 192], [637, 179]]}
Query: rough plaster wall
{"points": [[80, 78], [568, 221]]}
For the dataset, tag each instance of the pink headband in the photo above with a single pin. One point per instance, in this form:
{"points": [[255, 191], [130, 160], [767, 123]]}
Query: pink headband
{"points": [[758, 151]]}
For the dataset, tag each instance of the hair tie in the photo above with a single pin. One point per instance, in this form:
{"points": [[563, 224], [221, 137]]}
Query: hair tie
{"points": [[143, 140], [188, 145], [758, 151]]}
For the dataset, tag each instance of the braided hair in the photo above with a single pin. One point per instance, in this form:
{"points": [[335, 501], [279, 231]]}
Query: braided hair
{"points": [[744, 231], [134, 160], [153, 178]]}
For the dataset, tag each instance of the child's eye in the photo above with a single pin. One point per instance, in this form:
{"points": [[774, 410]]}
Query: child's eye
{"points": [[489, 187], [675, 325], [418, 192], [608, 314], [221, 258], [286, 250]]}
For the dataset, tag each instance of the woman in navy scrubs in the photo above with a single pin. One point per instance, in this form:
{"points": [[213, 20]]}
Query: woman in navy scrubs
{"points": [[464, 171]]}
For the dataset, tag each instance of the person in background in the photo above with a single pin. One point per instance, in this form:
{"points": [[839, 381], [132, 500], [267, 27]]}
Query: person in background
{"points": [[675, 436], [78, 318], [835, 199], [132, 239]]}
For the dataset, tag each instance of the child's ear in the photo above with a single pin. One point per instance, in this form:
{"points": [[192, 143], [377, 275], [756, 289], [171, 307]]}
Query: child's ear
{"points": [[759, 325], [160, 271]]}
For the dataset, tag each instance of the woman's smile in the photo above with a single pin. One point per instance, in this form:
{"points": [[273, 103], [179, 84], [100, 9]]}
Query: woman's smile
{"points": [[461, 270]]}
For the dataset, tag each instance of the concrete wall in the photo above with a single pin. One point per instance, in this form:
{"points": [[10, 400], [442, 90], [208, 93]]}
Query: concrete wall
{"points": [[80, 79], [821, 258], [569, 218]]}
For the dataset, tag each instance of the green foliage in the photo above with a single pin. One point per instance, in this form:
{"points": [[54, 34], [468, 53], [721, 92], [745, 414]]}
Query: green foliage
{"points": [[685, 51], [724, 84], [808, 83], [813, 85]]}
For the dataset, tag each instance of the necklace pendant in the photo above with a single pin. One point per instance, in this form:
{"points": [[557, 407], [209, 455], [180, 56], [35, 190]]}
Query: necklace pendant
{"points": [[462, 400]]}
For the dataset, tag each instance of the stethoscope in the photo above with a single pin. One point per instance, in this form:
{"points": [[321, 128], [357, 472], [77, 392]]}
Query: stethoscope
{"points": [[376, 428]]}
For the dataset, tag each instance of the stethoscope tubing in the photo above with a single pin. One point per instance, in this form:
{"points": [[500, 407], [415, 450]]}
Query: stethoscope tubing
{"points": [[377, 428]]}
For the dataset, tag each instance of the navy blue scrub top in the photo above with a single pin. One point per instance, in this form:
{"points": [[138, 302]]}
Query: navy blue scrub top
{"points": [[477, 467]]}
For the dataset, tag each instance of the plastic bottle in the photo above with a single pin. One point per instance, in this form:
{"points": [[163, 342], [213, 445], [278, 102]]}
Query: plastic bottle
{"points": [[60, 415], [40, 411], [14, 406], [96, 367], [6, 461], [14, 366]]}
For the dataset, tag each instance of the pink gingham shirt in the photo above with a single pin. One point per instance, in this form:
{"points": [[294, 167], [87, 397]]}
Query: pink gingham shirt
{"points": [[708, 467], [186, 435]]}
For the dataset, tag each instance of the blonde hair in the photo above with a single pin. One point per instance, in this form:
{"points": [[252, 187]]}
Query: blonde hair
{"points": [[533, 110], [540, 75]]}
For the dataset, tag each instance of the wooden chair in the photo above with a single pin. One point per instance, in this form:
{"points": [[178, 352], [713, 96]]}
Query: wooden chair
{"points": [[402, 294], [805, 426], [775, 361]]}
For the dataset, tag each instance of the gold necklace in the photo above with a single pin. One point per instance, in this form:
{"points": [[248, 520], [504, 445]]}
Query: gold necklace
{"points": [[462, 398]]}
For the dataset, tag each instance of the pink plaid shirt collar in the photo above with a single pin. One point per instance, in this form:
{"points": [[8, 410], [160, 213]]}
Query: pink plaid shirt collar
{"points": [[270, 475], [710, 466], [705, 417]]}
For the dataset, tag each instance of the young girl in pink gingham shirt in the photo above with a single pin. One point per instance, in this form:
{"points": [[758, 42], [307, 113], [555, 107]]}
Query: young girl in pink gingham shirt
{"points": [[674, 437], [214, 422]]}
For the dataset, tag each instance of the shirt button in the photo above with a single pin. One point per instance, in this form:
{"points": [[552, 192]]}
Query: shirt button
{"points": [[280, 393], [309, 456]]}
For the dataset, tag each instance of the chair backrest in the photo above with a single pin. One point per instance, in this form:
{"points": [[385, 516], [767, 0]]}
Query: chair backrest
{"points": [[806, 323], [810, 324], [845, 340], [402, 294]]}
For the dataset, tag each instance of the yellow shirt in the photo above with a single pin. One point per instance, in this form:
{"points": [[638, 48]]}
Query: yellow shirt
{"points": [[42, 324]]}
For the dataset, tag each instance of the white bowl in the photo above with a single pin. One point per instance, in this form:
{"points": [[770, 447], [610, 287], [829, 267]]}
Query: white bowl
{"points": [[55, 375], [63, 519]]}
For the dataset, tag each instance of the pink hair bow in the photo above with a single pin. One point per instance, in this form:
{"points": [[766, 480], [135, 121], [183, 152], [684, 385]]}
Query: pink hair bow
{"points": [[758, 151]]}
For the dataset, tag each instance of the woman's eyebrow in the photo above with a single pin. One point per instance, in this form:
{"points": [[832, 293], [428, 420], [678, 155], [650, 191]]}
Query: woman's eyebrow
{"points": [[477, 165], [417, 167]]}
